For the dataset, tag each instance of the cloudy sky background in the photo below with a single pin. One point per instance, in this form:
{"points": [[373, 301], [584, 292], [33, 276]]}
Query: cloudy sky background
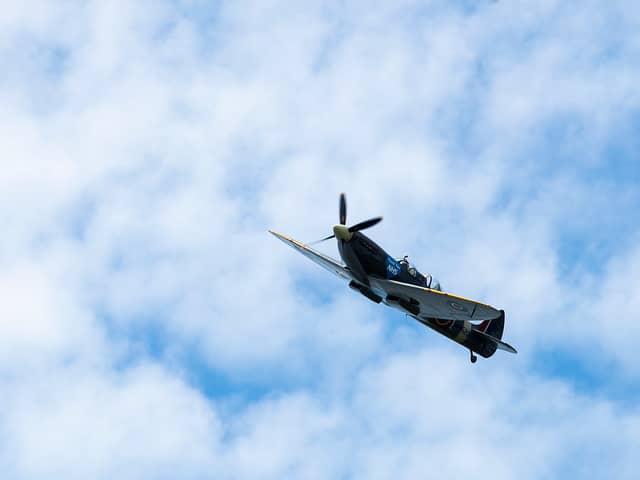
{"points": [[151, 328]]}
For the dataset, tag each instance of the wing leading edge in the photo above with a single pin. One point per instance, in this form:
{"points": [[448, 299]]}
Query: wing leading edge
{"points": [[433, 303], [436, 304], [321, 259]]}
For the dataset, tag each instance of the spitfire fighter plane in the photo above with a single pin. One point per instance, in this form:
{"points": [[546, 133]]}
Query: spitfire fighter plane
{"points": [[381, 278]]}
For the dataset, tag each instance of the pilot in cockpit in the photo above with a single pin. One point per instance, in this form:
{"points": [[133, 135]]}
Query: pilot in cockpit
{"points": [[427, 281], [407, 267]]}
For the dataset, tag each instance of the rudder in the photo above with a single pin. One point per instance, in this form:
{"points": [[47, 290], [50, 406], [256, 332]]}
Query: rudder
{"points": [[483, 345], [493, 327]]}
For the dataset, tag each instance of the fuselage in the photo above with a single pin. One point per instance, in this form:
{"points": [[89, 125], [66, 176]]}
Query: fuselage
{"points": [[365, 257]]}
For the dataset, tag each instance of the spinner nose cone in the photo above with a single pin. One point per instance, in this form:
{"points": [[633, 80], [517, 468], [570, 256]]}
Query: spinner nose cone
{"points": [[342, 232]]}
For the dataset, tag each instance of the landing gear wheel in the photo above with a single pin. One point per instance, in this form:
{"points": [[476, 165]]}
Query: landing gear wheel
{"points": [[473, 357]]}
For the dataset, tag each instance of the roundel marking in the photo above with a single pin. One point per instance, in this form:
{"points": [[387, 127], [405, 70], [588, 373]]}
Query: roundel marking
{"points": [[443, 323], [457, 306]]}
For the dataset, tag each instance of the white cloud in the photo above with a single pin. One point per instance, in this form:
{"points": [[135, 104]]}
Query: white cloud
{"points": [[42, 323], [146, 152], [81, 423]]}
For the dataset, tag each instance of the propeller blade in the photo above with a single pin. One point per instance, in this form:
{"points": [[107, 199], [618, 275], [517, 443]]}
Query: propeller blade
{"points": [[322, 240], [343, 209], [366, 224]]}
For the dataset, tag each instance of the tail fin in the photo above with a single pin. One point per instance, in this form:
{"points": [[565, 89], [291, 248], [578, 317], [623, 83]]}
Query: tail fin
{"points": [[486, 338], [493, 327]]}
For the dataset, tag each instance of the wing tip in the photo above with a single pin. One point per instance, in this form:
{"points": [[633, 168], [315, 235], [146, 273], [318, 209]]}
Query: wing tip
{"points": [[288, 239], [507, 348], [278, 235]]}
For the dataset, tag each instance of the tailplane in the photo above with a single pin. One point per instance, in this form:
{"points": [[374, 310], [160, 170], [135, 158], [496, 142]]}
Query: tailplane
{"points": [[487, 337]]}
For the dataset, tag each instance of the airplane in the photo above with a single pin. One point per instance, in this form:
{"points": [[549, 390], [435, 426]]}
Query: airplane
{"points": [[383, 279]]}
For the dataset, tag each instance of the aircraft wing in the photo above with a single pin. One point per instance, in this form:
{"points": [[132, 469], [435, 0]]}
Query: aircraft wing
{"points": [[436, 304], [321, 259]]}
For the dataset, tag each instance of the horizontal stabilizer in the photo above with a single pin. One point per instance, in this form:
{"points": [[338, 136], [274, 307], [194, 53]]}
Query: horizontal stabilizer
{"points": [[498, 343]]}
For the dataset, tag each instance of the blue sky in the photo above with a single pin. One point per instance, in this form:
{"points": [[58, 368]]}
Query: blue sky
{"points": [[150, 326]]}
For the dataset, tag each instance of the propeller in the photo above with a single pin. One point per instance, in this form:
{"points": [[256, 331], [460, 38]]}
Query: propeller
{"points": [[343, 232], [366, 224]]}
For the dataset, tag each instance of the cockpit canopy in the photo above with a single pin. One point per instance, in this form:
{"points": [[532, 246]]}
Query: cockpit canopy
{"points": [[425, 280], [433, 283]]}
